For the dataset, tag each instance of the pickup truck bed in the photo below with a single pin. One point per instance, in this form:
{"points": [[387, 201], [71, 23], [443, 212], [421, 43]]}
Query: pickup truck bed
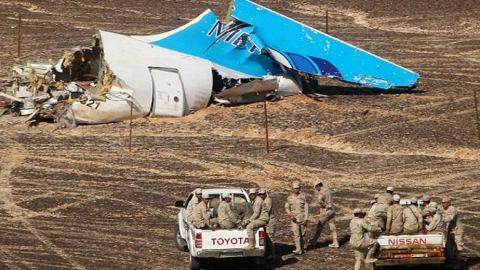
{"points": [[203, 244], [411, 249]]}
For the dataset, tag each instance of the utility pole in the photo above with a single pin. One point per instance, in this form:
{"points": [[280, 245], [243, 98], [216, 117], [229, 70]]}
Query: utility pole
{"points": [[19, 36], [266, 123], [326, 21], [131, 120], [476, 112]]}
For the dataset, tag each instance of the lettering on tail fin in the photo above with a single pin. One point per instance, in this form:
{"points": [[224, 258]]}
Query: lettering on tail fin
{"points": [[217, 28]]}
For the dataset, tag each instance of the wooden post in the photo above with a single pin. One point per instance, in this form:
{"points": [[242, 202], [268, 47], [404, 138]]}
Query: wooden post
{"points": [[326, 21], [476, 112], [19, 37], [131, 120], [266, 124]]}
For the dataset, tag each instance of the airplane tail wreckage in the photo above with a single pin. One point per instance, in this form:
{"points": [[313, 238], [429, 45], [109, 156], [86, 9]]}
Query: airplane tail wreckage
{"points": [[258, 53]]}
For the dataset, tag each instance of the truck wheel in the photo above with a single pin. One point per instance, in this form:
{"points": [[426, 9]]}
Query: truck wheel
{"points": [[195, 263], [181, 243], [262, 263]]}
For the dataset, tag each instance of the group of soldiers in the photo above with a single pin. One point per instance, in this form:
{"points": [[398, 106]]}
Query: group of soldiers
{"points": [[260, 214], [388, 216], [385, 216]]}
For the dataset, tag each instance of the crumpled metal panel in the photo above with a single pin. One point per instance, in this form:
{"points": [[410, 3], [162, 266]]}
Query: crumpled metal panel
{"points": [[305, 49]]}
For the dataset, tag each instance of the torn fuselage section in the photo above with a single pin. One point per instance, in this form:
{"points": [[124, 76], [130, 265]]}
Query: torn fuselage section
{"points": [[205, 61]]}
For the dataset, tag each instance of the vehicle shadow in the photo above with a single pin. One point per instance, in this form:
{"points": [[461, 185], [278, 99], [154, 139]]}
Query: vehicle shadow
{"points": [[342, 240], [472, 263], [284, 257], [332, 90]]}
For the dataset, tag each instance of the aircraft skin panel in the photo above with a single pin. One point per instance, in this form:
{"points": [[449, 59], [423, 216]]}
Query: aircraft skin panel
{"points": [[330, 56], [234, 50]]}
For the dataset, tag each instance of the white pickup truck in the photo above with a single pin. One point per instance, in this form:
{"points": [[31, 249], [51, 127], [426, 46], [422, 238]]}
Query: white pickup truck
{"points": [[419, 249], [204, 244]]}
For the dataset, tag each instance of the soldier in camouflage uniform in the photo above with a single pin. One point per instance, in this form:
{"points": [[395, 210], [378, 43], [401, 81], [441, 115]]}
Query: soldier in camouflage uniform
{"points": [[394, 217], [297, 209], [197, 198], [453, 223], [227, 219], [259, 218], [323, 199], [363, 245]]}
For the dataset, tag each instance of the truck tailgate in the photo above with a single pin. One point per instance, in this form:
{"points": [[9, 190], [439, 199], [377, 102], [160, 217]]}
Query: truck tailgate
{"points": [[408, 241], [226, 239], [411, 249]]}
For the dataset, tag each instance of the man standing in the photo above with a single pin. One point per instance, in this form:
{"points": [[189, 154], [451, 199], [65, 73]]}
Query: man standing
{"points": [[226, 217], [326, 213], [200, 217], [259, 218], [268, 204], [363, 245], [297, 209], [196, 199], [412, 218], [395, 217], [453, 223]]}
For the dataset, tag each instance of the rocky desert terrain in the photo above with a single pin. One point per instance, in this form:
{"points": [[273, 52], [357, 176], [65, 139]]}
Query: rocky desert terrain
{"points": [[78, 199]]}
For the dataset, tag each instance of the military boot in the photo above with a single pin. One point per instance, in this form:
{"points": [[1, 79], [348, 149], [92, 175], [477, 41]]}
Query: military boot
{"points": [[371, 254], [251, 244], [298, 247], [335, 241]]}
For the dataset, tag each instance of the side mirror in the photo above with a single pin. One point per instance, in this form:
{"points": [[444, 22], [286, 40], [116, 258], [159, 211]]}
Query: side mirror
{"points": [[180, 204]]}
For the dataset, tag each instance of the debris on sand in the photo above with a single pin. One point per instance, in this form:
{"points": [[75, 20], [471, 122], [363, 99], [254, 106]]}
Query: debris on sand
{"points": [[205, 61]]}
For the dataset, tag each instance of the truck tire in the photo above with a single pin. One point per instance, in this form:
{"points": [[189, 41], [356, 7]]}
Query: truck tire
{"points": [[262, 263], [179, 241], [195, 263]]}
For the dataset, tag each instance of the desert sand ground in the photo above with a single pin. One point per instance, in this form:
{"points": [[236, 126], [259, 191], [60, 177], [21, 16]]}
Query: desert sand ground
{"points": [[77, 199]]}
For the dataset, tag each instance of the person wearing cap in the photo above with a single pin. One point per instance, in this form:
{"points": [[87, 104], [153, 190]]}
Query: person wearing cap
{"points": [[226, 217], [383, 202], [394, 223], [433, 219], [377, 214], [412, 218], [427, 205], [268, 204], [387, 197], [326, 213], [196, 198], [252, 193], [200, 217], [364, 247], [259, 218], [453, 223], [297, 210]]}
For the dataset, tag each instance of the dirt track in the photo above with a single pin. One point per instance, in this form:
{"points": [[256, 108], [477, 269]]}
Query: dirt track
{"points": [[76, 199]]}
